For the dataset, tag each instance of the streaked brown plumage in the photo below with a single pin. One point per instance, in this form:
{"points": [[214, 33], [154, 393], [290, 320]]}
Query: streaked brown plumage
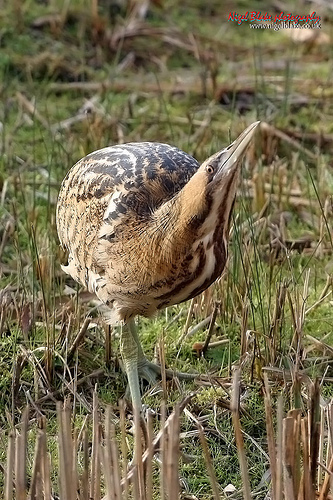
{"points": [[146, 227]]}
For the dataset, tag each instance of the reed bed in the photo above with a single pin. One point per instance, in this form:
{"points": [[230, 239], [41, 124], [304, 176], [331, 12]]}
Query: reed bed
{"points": [[96, 461]]}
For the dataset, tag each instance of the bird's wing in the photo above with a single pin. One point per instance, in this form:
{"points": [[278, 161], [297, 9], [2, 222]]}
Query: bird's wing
{"points": [[110, 187]]}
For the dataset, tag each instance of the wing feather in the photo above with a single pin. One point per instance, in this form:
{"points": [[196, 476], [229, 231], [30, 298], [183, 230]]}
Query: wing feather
{"points": [[108, 188]]}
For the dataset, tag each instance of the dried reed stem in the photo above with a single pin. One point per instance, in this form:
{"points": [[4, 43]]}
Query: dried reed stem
{"points": [[95, 476], [270, 436], [238, 435], [209, 464], [10, 466], [78, 339]]}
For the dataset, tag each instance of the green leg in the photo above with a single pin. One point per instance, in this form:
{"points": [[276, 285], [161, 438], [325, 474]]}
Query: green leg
{"points": [[130, 353], [148, 370], [136, 364], [132, 328]]}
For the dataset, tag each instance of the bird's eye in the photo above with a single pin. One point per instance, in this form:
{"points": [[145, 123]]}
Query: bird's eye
{"points": [[210, 169]]}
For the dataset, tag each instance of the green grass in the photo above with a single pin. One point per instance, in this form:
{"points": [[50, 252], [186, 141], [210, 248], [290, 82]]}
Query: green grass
{"points": [[263, 75]]}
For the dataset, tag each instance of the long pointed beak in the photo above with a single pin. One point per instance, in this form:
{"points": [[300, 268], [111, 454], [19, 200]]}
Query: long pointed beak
{"points": [[229, 158]]}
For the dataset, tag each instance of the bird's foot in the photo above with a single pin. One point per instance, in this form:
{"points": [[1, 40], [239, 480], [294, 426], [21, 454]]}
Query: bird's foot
{"points": [[149, 371]]}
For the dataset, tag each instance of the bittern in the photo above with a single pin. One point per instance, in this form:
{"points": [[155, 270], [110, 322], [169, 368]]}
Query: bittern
{"points": [[147, 227]]}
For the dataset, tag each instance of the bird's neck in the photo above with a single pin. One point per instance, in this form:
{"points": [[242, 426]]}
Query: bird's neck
{"points": [[179, 220]]}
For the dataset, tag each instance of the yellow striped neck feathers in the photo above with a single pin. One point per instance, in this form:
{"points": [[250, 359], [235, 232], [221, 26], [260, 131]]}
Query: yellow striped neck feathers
{"points": [[201, 208]]}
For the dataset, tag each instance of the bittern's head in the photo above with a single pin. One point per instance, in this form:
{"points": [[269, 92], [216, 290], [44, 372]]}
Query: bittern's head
{"points": [[217, 180], [224, 165]]}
